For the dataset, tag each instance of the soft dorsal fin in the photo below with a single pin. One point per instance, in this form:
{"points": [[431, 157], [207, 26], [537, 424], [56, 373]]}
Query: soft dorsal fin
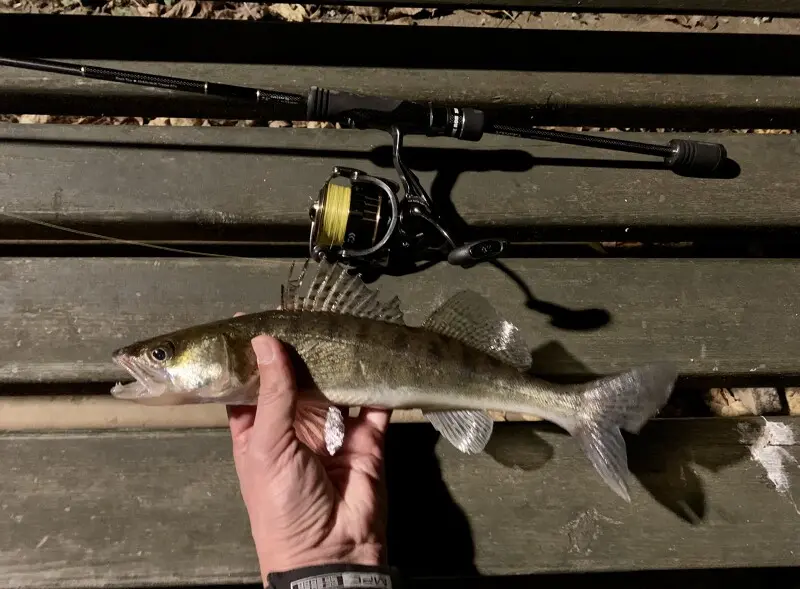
{"points": [[333, 289], [471, 319]]}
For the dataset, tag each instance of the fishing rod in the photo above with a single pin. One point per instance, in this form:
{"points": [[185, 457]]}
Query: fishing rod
{"points": [[362, 219]]}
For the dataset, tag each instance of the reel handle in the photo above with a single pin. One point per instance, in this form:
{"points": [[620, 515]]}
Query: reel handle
{"points": [[470, 254]]}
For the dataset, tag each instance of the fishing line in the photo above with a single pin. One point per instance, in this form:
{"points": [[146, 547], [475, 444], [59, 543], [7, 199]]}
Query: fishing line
{"points": [[124, 241]]}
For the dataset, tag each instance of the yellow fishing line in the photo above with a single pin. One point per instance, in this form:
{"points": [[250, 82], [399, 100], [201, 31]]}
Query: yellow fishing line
{"points": [[335, 215]]}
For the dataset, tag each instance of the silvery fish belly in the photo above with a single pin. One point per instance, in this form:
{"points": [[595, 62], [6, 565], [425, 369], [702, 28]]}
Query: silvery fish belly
{"points": [[351, 349]]}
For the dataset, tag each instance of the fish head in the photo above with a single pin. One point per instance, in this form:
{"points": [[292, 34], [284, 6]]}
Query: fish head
{"points": [[190, 366]]}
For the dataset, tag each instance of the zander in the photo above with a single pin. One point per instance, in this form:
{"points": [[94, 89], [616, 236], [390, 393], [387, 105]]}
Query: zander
{"points": [[354, 351]]}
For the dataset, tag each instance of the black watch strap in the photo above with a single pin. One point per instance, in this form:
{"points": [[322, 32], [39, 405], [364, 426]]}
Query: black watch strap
{"points": [[337, 576]]}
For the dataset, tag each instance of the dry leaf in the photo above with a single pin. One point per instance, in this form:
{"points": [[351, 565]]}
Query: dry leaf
{"points": [[368, 12], [690, 22], [206, 9], [182, 9], [225, 14], [178, 122], [721, 402], [276, 124], [34, 119], [403, 11], [290, 12], [249, 10], [401, 20], [159, 122], [793, 400], [152, 9]]}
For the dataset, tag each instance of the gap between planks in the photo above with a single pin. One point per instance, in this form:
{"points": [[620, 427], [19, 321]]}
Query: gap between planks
{"points": [[72, 412], [96, 412]]}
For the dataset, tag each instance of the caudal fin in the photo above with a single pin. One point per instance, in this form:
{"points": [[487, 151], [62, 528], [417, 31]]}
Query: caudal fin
{"points": [[626, 401]]}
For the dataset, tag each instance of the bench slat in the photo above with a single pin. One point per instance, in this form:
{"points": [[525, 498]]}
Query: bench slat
{"points": [[210, 184], [592, 79], [130, 509], [715, 318]]}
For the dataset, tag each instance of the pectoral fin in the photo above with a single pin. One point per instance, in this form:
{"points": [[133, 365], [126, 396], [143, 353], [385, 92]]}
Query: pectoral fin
{"points": [[334, 430], [319, 426], [467, 430]]}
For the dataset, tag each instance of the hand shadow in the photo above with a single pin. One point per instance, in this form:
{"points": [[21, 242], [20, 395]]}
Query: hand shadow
{"points": [[428, 533]]}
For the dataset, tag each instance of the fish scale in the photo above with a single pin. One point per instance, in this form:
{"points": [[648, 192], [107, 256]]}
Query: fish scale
{"points": [[354, 350]]}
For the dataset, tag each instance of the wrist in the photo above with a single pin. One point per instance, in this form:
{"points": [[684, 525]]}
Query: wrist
{"points": [[296, 557], [337, 575]]}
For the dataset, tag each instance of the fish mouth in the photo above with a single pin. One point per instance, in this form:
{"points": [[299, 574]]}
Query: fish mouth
{"points": [[148, 383]]}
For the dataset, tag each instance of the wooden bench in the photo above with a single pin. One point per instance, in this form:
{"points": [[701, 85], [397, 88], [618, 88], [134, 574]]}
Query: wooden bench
{"points": [[99, 493]]}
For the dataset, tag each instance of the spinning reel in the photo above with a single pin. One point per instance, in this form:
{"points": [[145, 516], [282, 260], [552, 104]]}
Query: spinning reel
{"points": [[361, 220]]}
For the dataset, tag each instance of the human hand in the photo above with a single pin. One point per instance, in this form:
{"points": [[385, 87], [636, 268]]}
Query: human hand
{"points": [[305, 506]]}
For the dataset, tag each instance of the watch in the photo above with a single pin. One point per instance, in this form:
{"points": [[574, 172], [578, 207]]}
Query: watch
{"points": [[337, 576]]}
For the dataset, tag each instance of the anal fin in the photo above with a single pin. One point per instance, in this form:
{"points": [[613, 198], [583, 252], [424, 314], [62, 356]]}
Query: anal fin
{"points": [[468, 430]]}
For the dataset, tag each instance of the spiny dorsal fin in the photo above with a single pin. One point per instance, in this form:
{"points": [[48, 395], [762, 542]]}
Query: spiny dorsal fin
{"points": [[333, 289], [471, 319]]}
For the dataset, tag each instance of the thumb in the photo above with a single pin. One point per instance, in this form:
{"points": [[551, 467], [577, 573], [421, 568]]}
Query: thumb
{"points": [[274, 418]]}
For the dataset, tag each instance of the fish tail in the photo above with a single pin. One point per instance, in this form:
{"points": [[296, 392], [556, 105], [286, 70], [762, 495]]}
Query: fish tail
{"points": [[607, 405]]}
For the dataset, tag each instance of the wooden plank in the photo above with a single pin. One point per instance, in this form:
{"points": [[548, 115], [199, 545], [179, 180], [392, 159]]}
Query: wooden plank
{"points": [[212, 184], [593, 79], [64, 316], [132, 509]]}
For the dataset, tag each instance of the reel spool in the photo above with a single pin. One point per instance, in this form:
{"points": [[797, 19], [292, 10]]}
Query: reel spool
{"points": [[355, 216]]}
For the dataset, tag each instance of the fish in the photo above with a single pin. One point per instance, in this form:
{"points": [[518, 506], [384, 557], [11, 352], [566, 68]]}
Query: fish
{"points": [[357, 350]]}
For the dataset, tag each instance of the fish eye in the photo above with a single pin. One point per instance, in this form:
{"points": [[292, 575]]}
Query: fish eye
{"points": [[162, 353]]}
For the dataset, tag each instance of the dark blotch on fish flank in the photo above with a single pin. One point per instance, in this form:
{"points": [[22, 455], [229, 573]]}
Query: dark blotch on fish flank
{"points": [[400, 340], [435, 349], [366, 331]]}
